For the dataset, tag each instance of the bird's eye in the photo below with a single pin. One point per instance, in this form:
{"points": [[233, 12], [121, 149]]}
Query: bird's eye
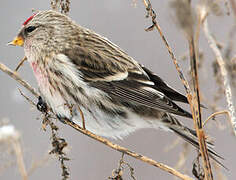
{"points": [[30, 29]]}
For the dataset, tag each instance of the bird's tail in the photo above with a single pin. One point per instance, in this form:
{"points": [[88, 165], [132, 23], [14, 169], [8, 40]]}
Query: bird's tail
{"points": [[190, 136]]}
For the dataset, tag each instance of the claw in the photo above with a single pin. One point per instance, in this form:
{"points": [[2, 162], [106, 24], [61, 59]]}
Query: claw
{"points": [[41, 105]]}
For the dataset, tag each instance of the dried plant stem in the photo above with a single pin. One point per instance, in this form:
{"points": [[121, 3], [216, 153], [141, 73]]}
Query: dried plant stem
{"points": [[195, 104], [82, 117], [21, 63], [19, 156], [215, 114], [155, 24], [196, 112], [98, 138], [224, 74], [27, 99], [15, 76]]}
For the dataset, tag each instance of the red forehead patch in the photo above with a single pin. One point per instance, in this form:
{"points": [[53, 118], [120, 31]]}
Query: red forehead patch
{"points": [[29, 19]]}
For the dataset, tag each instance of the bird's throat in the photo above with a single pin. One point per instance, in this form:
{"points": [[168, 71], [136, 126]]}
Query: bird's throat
{"points": [[40, 75]]}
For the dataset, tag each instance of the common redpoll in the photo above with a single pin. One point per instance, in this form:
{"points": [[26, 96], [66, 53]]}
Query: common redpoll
{"points": [[75, 67]]}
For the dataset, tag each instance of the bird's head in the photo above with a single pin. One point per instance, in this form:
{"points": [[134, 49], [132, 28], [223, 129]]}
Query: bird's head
{"points": [[47, 31]]}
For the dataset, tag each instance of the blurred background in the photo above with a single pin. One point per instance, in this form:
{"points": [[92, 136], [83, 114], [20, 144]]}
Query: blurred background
{"points": [[123, 22]]}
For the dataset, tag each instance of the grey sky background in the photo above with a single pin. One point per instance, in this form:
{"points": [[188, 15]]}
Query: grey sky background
{"points": [[123, 24]]}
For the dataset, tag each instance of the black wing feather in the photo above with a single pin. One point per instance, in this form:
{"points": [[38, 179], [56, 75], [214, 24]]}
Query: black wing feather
{"points": [[160, 85]]}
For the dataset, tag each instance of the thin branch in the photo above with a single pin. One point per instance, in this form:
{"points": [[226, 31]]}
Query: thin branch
{"points": [[117, 173], [27, 99], [98, 138], [215, 114], [15, 76], [155, 24], [82, 117], [21, 63], [195, 104], [224, 74], [196, 109]]}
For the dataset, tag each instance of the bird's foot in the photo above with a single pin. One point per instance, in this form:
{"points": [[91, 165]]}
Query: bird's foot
{"points": [[41, 105]]}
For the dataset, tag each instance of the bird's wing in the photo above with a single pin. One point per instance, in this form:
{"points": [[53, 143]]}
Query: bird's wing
{"points": [[163, 87], [139, 93], [106, 67]]}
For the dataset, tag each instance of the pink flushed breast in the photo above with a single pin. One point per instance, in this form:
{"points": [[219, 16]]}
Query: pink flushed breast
{"points": [[40, 76]]}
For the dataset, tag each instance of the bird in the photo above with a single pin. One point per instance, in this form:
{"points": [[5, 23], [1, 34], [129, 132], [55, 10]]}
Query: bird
{"points": [[76, 68]]}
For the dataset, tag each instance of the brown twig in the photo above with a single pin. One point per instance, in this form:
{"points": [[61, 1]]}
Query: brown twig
{"points": [[151, 13], [58, 145], [100, 139], [15, 76], [27, 99], [195, 104], [117, 173], [21, 63], [215, 114], [82, 117], [196, 109]]}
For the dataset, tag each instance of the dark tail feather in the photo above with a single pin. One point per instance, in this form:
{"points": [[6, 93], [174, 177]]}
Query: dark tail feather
{"points": [[190, 136]]}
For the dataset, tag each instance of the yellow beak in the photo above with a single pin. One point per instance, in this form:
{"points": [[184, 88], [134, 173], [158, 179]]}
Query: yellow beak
{"points": [[18, 41]]}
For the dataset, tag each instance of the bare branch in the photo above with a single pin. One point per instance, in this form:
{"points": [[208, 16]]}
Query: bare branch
{"points": [[196, 109], [155, 24], [215, 114], [224, 73], [21, 63], [195, 103], [15, 76]]}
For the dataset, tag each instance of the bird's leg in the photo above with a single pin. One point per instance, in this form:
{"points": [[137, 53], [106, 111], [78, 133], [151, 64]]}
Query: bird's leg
{"points": [[41, 105]]}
